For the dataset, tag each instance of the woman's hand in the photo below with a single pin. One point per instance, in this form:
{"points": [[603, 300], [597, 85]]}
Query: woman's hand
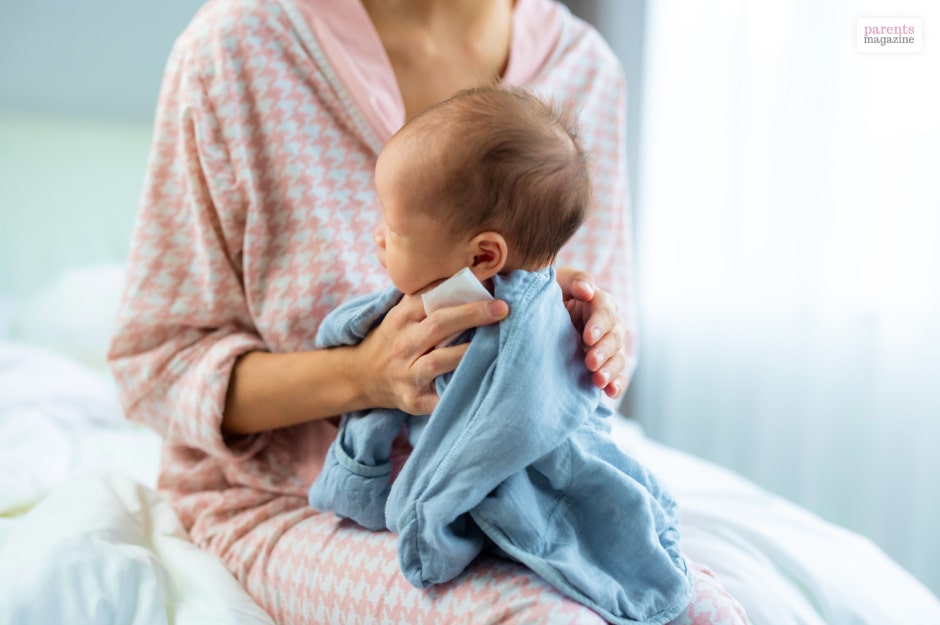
{"points": [[398, 357], [606, 339]]}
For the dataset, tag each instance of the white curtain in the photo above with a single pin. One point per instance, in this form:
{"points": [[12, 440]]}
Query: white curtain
{"points": [[788, 236]]}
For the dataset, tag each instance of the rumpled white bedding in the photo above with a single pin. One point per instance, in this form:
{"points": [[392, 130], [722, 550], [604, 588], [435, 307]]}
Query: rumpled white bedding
{"points": [[106, 550], [85, 539], [59, 418]]}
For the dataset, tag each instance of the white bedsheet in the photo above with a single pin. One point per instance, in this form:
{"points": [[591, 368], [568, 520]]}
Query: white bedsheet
{"points": [[105, 550], [786, 565], [59, 418], [85, 539]]}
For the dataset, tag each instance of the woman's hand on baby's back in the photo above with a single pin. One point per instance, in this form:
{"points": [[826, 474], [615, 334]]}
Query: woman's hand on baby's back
{"points": [[398, 357], [605, 337]]}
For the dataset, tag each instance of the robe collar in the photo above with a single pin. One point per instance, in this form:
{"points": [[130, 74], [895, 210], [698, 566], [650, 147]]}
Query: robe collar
{"points": [[363, 75]]}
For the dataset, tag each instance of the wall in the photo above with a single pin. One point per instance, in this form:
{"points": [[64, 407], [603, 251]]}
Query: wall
{"points": [[78, 86], [94, 58]]}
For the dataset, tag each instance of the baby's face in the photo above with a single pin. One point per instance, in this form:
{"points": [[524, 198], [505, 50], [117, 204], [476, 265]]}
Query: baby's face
{"points": [[415, 249]]}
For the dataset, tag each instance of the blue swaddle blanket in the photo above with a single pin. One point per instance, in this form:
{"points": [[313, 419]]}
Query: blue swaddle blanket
{"points": [[518, 453]]}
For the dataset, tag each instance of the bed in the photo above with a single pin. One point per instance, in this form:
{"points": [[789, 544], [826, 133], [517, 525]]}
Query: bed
{"points": [[85, 538]]}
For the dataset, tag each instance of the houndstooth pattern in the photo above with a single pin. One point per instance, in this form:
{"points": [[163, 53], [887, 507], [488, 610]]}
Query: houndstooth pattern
{"points": [[255, 221], [320, 570]]}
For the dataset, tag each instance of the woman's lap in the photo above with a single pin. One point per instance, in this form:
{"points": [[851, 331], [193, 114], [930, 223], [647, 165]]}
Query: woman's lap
{"points": [[307, 568]]}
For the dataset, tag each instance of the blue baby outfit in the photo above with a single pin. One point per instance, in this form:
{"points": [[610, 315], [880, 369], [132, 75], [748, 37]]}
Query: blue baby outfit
{"points": [[517, 454]]}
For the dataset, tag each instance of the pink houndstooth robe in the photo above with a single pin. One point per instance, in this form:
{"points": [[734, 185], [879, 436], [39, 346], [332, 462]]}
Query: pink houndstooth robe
{"points": [[255, 220]]}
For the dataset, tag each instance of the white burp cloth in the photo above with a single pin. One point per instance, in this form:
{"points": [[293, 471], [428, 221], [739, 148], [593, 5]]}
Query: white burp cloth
{"points": [[461, 288]]}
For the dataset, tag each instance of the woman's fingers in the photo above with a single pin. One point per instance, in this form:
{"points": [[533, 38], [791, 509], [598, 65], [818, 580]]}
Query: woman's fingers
{"points": [[616, 388], [575, 283], [402, 354], [438, 362], [608, 371], [453, 320], [603, 320], [609, 345], [426, 370], [594, 310]]}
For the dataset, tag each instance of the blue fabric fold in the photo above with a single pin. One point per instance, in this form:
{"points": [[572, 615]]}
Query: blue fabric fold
{"points": [[517, 453]]}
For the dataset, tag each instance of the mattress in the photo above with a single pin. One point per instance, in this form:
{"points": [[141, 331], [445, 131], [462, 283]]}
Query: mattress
{"points": [[85, 537]]}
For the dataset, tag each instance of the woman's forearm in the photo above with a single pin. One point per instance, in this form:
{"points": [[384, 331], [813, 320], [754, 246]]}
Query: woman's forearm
{"points": [[269, 391], [393, 367]]}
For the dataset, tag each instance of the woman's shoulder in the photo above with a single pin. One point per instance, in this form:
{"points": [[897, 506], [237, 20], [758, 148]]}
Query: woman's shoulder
{"points": [[220, 19], [239, 52], [222, 31], [582, 54]]}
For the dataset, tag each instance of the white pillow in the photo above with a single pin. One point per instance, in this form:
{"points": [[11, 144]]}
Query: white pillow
{"points": [[39, 380], [74, 315]]}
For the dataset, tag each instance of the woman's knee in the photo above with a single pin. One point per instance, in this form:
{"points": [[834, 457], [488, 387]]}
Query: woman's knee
{"points": [[498, 592], [711, 604]]}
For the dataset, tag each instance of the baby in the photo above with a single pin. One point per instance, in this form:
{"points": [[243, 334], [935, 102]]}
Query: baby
{"points": [[479, 194], [491, 179]]}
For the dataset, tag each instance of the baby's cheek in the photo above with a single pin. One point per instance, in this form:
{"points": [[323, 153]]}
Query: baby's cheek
{"points": [[397, 278]]}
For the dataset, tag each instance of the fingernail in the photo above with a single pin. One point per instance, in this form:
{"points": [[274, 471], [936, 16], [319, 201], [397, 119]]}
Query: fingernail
{"points": [[497, 308], [605, 375], [593, 335], [617, 389], [601, 357], [586, 286]]}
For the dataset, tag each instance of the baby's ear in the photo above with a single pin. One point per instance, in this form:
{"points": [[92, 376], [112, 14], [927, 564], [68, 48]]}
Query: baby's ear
{"points": [[488, 253]]}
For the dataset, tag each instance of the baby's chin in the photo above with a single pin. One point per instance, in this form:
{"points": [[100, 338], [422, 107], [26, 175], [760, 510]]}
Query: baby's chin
{"points": [[409, 289], [427, 287]]}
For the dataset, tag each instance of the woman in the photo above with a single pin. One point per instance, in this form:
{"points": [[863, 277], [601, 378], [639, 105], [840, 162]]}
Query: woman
{"points": [[256, 220]]}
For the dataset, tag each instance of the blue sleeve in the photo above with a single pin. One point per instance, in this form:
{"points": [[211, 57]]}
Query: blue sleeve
{"points": [[351, 321]]}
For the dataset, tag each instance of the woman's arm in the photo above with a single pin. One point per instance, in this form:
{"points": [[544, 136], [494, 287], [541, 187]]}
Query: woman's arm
{"points": [[184, 319], [394, 367], [269, 391]]}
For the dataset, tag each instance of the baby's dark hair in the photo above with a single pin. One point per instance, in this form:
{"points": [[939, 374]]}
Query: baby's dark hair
{"points": [[513, 164]]}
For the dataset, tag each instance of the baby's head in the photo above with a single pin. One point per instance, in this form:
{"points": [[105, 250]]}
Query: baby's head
{"points": [[492, 179]]}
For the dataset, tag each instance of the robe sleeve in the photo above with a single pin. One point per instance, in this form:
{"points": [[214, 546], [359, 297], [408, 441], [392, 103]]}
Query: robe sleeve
{"points": [[184, 319]]}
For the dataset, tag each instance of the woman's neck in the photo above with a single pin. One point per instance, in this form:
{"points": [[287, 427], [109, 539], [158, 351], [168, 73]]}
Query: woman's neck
{"points": [[427, 11], [438, 47]]}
